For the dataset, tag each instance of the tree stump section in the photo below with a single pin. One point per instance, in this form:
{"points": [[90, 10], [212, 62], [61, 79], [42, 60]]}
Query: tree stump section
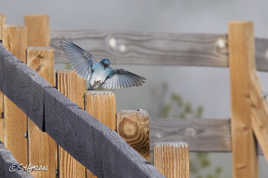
{"points": [[133, 126]]}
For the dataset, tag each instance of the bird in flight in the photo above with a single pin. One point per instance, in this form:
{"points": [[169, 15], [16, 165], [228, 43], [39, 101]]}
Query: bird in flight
{"points": [[99, 74]]}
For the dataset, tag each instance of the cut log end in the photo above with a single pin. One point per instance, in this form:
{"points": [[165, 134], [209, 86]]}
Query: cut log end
{"points": [[133, 126]]}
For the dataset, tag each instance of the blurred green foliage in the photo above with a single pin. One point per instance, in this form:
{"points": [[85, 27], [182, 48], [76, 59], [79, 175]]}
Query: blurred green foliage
{"points": [[68, 67], [179, 108]]}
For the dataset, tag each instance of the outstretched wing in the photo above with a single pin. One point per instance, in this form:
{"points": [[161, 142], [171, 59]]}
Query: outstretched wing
{"points": [[80, 59], [122, 79]]}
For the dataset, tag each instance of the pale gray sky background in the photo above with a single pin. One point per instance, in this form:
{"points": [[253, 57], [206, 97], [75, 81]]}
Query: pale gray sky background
{"points": [[206, 86]]}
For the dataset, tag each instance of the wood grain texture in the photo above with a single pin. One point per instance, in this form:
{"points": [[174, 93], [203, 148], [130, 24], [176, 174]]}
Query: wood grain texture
{"points": [[242, 64], [41, 60], [6, 161], [84, 137], [2, 23], [147, 48], [15, 41], [73, 87], [133, 126], [38, 29], [102, 106], [42, 148], [172, 159], [156, 48]]}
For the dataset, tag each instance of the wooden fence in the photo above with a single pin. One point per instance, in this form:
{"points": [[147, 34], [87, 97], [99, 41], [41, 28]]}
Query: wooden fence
{"points": [[235, 50], [42, 127], [58, 132]]}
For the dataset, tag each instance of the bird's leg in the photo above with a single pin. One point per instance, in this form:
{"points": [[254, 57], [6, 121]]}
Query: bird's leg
{"points": [[88, 85]]}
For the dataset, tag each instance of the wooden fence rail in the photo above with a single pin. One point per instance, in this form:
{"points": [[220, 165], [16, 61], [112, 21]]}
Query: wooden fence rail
{"points": [[202, 135], [208, 135], [98, 148], [9, 166], [156, 48]]}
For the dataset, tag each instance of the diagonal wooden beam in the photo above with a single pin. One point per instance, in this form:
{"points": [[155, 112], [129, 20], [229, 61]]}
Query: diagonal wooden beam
{"points": [[259, 114]]}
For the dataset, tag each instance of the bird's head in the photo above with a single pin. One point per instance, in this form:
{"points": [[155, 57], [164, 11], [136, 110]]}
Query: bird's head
{"points": [[105, 62]]}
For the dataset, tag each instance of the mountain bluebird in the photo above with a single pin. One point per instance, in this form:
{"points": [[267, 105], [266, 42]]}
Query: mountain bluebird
{"points": [[99, 74]]}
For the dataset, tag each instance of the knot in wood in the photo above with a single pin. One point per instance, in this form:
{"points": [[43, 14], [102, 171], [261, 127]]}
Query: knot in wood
{"points": [[222, 46], [36, 63], [221, 43], [245, 128], [159, 135], [112, 42]]}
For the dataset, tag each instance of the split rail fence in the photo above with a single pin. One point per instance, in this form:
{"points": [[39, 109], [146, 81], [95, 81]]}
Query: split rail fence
{"points": [[40, 126]]}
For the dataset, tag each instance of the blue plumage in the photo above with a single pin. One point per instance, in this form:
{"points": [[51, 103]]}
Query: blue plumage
{"points": [[99, 74]]}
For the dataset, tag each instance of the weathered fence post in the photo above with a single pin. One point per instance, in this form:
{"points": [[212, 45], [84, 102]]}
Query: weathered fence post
{"points": [[242, 64], [172, 159], [73, 87], [38, 29], [15, 41], [102, 106], [2, 23], [133, 126], [42, 148]]}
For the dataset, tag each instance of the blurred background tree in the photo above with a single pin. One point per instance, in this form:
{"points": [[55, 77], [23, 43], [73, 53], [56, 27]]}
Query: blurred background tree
{"points": [[177, 107]]}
